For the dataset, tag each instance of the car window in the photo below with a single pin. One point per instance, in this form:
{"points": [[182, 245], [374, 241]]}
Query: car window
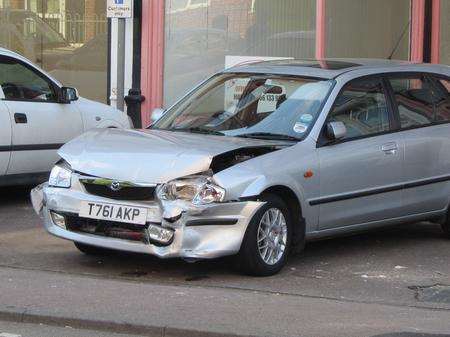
{"points": [[441, 99], [19, 82], [249, 104], [362, 107], [414, 99]]}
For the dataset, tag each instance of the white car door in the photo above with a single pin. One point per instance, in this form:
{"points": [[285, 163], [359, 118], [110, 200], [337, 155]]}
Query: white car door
{"points": [[39, 123], [5, 137], [361, 175]]}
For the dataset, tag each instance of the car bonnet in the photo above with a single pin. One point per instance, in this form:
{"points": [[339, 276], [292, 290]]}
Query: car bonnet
{"points": [[149, 156]]}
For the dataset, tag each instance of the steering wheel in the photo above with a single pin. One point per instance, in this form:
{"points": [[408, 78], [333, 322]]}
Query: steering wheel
{"points": [[12, 90]]}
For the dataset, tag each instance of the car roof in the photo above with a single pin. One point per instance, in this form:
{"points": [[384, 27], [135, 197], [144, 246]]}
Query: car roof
{"points": [[330, 68]]}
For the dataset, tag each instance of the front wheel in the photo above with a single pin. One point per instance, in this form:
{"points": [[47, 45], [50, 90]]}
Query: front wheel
{"points": [[267, 241]]}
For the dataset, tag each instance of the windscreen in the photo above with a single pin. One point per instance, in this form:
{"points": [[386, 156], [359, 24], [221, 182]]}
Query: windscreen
{"points": [[249, 105]]}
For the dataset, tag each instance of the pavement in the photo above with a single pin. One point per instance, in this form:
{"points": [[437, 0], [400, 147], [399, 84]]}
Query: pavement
{"points": [[394, 282]]}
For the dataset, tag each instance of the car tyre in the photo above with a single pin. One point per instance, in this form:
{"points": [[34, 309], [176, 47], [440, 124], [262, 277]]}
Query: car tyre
{"points": [[91, 250], [252, 258]]}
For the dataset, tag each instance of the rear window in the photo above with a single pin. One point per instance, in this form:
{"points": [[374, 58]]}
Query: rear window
{"points": [[414, 98], [442, 99]]}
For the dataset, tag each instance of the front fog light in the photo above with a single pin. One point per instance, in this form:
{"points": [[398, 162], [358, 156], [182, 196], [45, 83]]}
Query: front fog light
{"points": [[58, 219], [160, 234]]}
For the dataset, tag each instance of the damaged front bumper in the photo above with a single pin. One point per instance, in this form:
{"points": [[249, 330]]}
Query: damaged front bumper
{"points": [[205, 232]]}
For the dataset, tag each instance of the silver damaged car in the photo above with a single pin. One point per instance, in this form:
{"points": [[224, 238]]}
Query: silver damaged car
{"points": [[259, 159]]}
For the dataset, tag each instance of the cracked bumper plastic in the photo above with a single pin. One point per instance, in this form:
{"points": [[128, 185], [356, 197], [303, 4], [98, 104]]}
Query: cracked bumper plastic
{"points": [[207, 232]]}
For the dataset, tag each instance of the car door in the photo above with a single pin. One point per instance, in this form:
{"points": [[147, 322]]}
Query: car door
{"points": [[39, 123], [5, 137], [423, 106], [361, 174]]}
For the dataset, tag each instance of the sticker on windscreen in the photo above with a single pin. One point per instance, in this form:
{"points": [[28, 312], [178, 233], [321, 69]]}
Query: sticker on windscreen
{"points": [[300, 127], [306, 118]]}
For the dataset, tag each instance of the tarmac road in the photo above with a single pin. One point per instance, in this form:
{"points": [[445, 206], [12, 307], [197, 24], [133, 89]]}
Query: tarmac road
{"points": [[401, 275]]}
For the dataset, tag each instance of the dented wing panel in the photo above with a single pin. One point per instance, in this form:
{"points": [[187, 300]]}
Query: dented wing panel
{"points": [[279, 168]]}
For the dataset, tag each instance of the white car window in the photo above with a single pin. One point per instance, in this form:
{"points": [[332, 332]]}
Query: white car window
{"points": [[19, 82]]}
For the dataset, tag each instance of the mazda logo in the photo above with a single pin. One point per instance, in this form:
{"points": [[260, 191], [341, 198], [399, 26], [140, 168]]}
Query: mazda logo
{"points": [[115, 186]]}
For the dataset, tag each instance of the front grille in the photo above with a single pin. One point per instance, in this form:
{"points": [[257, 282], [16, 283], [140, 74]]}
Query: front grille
{"points": [[104, 228], [125, 193]]}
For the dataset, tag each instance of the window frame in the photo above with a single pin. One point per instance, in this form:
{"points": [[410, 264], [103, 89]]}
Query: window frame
{"points": [[428, 76], [393, 121], [53, 86]]}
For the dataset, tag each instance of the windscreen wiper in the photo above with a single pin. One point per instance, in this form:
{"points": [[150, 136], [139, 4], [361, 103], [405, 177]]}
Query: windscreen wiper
{"points": [[268, 135], [198, 129]]}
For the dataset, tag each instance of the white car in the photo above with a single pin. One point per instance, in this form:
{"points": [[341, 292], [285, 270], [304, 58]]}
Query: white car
{"points": [[37, 116]]}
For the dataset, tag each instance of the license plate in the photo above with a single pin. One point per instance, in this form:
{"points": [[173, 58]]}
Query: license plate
{"points": [[113, 212]]}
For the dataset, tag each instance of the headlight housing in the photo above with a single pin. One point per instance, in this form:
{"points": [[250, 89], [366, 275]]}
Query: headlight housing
{"points": [[60, 176], [199, 190]]}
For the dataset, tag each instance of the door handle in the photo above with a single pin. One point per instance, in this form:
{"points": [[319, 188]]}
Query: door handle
{"points": [[389, 148], [20, 118]]}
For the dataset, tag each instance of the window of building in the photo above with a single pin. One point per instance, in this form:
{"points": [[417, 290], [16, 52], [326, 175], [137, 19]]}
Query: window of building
{"points": [[201, 38], [202, 35], [68, 39], [366, 28], [362, 107]]}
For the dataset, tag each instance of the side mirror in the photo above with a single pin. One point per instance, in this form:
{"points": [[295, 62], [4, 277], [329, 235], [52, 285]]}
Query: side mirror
{"points": [[336, 130], [157, 113], [68, 94]]}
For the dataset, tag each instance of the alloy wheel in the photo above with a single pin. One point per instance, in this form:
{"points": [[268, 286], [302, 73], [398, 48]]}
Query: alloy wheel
{"points": [[272, 236]]}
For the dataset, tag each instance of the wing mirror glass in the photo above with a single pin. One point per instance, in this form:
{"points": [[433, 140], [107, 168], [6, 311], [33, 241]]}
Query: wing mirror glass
{"points": [[68, 94], [157, 113], [336, 130]]}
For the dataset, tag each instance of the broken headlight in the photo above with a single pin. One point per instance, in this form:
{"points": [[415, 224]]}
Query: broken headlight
{"points": [[60, 176], [199, 190]]}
